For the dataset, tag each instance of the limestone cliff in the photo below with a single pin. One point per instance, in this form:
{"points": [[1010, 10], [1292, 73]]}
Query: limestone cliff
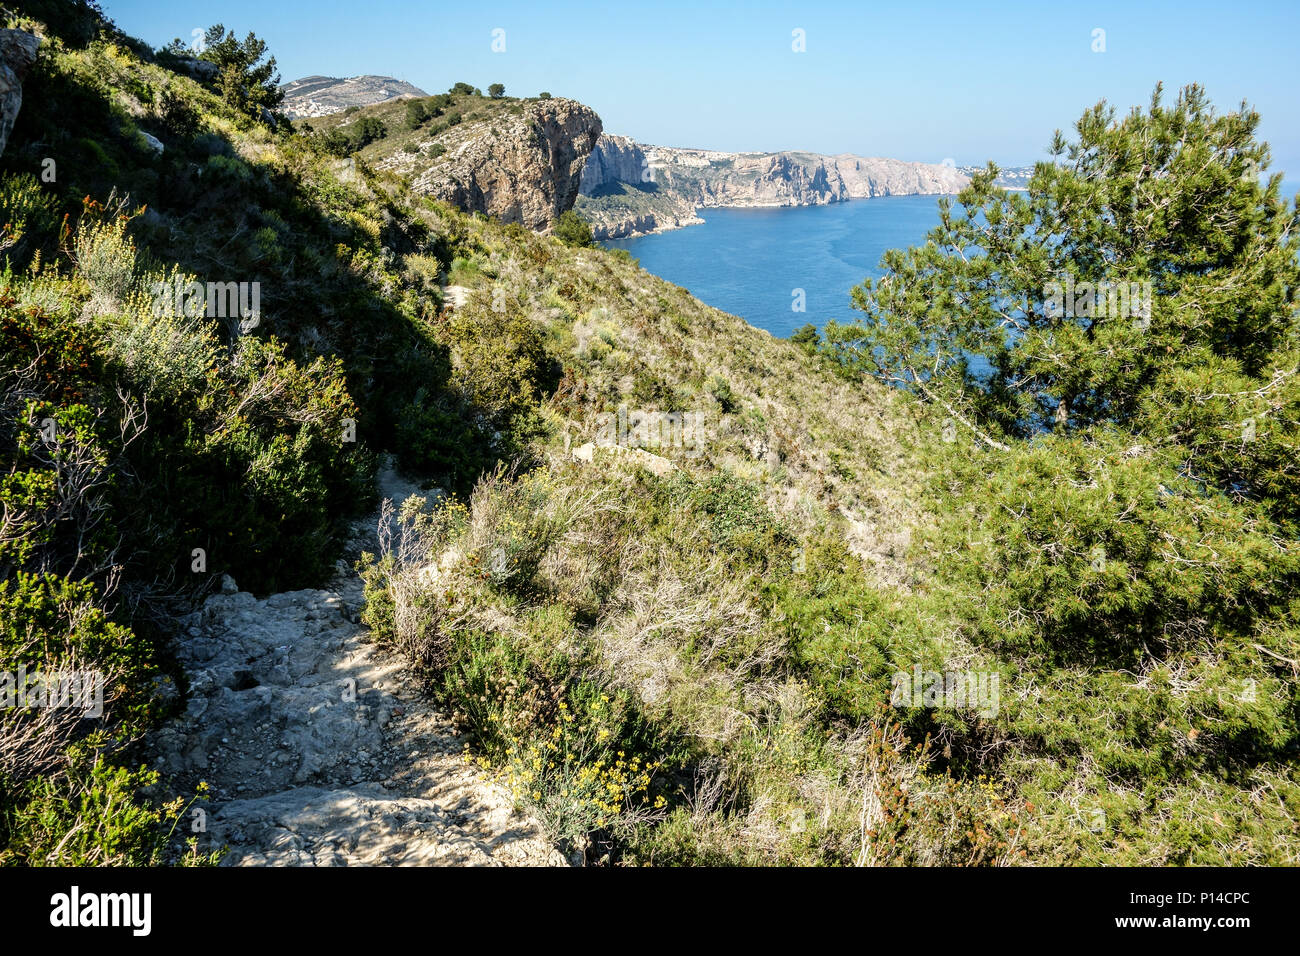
{"points": [[522, 165], [630, 189], [615, 159]]}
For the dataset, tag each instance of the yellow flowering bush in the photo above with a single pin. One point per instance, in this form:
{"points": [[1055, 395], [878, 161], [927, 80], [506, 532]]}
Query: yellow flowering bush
{"points": [[576, 780]]}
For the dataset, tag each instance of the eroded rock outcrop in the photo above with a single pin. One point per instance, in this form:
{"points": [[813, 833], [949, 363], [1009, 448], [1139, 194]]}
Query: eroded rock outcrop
{"points": [[522, 166], [17, 54]]}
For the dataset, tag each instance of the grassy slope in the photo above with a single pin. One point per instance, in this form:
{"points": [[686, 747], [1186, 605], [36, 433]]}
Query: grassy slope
{"points": [[790, 711]]}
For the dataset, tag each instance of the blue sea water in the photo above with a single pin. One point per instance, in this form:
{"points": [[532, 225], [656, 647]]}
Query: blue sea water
{"points": [[749, 262]]}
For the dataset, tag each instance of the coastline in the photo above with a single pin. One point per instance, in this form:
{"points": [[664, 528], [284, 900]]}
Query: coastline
{"points": [[638, 231]]}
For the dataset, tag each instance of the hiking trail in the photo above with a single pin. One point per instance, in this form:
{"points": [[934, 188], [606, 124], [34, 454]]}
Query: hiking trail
{"points": [[318, 744]]}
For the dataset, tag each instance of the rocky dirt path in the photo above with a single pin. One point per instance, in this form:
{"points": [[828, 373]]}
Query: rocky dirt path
{"points": [[318, 746]]}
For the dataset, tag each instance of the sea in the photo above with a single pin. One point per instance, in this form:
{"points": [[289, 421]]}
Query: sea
{"points": [[781, 268]]}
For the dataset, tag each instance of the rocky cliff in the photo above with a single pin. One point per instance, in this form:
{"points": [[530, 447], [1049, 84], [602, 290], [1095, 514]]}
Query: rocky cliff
{"points": [[659, 182], [522, 165], [17, 54], [615, 159], [865, 177]]}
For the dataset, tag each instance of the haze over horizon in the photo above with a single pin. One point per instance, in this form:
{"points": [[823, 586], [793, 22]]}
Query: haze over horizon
{"points": [[869, 81]]}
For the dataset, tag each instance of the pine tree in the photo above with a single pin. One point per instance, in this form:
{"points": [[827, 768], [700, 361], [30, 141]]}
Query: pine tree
{"points": [[416, 114], [1145, 281], [244, 81]]}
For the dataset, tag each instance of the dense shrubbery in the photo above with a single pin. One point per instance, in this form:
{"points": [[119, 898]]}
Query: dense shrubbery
{"points": [[1128, 573], [417, 114], [689, 664], [632, 695], [343, 141], [131, 436], [99, 418], [1129, 541], [189, 446], [571, 229]]}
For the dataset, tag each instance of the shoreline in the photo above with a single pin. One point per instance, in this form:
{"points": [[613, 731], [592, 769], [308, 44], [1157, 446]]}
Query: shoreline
{"points": [[697, 221]]}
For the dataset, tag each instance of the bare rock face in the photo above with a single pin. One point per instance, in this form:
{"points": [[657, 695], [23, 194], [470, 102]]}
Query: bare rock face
{"points": [[864, 177], [522, 167], [17, 54], [670, 213], [772, 179], [615, 159], [203, 70]]}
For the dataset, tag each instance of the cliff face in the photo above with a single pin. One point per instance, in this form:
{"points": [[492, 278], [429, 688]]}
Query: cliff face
{"points": [[864, 178], [669, 179], [522, 166], [17, 54], [615, 159]]}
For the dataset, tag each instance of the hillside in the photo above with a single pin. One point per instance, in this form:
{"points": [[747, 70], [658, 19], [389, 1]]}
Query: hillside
{"points": [[680, 590], [629, 188], [323, 95], [516, 160]]}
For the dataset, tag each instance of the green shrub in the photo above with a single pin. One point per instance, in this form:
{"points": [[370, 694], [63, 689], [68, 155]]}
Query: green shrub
{"points": [[49, 622], [366, 130], [106, 256], [436, 437], [502, 366], [165, 355], [572, 230], [417, 114], [564, 761], [179, 118], [95, 817], [227, 169], [266, 481], [1111, 554], [463, 271], [27, 215], [807, 338]]}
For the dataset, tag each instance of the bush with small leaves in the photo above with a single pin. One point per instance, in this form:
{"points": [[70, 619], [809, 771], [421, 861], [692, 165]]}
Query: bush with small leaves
{"points": [[572, 230]]}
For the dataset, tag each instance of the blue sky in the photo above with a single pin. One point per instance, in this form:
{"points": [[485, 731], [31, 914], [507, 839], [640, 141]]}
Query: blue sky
{"points": [[966, 81]]}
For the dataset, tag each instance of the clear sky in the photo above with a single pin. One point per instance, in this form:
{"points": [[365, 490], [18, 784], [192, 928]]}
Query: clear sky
{"points": [[919, 81]]}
